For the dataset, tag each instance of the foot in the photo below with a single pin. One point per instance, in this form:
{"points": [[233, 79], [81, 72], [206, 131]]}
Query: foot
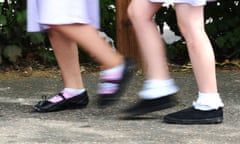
{"points": [[194, 116], [78, 101], [108, 98], [147, 106]]}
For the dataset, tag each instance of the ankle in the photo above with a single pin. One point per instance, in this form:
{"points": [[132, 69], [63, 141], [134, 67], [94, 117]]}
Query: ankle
{"points": [[113, 64], [208, 101], [158, 88], [74, 90]]}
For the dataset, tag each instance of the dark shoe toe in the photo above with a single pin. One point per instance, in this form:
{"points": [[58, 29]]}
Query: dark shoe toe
{"points": [[194, 116], [78, 101], [147, 106]]}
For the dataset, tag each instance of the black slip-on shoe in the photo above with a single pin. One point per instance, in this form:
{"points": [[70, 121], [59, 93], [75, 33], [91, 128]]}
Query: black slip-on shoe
{"points": [[79, 101], [146, 106], [194, 116], [108, 99]]}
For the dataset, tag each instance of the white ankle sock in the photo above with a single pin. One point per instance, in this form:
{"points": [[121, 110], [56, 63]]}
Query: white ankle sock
{"points": [[208, 101], [158, 88], [74, 91]]}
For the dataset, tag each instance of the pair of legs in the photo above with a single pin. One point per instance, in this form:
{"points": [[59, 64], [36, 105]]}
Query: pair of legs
{"points": [[64, 40], [69, 25], [191, 23]]}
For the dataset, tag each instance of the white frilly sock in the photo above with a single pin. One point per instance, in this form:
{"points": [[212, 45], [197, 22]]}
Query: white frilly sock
{"points": [[208, 101]]}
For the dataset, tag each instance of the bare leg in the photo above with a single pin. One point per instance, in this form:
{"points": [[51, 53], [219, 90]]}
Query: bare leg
{"points": [[87, 37], [159, 88], [116, 71], [66, 53], [73, 95], [191, 23], [208, 107], [150, 41]]}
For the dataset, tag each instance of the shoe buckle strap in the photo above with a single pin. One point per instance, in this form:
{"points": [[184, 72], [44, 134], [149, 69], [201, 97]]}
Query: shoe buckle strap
{"points": [[62, 96]]}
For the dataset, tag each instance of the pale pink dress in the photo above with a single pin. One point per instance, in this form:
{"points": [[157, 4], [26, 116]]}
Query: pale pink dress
{"points": [[41, 13]]}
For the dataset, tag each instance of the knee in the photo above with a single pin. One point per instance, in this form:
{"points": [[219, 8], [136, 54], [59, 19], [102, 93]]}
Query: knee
{"points": [[190, 30], [133, 15], [136, 15]]}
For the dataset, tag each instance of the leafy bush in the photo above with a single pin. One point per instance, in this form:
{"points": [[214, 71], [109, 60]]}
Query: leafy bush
{"points": [[108, 17], [13, 34], [36, 46], [222, 27]]}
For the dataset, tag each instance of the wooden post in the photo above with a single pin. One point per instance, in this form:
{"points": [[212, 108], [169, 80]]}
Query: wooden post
{"points": [[126, 41]]}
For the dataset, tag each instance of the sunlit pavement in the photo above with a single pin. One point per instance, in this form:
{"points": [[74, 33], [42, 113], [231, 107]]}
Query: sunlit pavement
{"points": [[20, 125]]}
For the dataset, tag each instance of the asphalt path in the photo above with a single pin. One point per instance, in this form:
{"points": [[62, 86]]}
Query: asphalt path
{"points": [[19, 124]]}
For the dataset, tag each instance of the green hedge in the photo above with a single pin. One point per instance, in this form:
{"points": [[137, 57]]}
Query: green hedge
{"points": [[223, 28]]}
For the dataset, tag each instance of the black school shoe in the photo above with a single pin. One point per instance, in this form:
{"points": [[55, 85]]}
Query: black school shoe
{"points": [[108, 99], [79, 101], [147, 106], [194, 116]]}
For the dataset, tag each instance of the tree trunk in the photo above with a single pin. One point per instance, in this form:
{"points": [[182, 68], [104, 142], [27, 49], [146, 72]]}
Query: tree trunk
{"points": [[126, 40]]}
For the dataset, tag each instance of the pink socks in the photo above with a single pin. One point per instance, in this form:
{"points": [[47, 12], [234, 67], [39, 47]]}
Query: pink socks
{"points": [[67, 93], [109, 78]]}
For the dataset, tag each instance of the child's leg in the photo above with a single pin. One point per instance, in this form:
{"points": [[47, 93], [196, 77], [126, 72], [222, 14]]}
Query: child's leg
{"points": [[208, 107], [88, 39], [73, 94], [159, 87], [150, 41], [191, 23], [117, 70], [66, 53], [152, 48]]}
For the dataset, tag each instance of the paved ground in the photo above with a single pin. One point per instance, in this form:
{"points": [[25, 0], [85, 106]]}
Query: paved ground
{"points": [[20, 125]]}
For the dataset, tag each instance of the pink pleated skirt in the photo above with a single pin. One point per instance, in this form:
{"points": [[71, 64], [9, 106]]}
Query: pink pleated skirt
{"points": [[41, 13]]}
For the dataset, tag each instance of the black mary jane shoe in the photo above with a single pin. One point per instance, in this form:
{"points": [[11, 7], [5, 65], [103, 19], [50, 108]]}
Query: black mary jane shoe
{"points": [[79, 101], [108, 99], [193, 116]]}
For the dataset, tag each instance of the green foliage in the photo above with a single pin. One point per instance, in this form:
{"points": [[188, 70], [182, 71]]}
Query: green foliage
{"points": [[7, 13], [13, 33], [12, 52], [108, 17], [37, 44], [223, 28], [177, 51]]}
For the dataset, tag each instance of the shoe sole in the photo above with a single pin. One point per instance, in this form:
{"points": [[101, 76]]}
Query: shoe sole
{"points": [[216, 120], [154, 109], [80, 105], [60, 109]]}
